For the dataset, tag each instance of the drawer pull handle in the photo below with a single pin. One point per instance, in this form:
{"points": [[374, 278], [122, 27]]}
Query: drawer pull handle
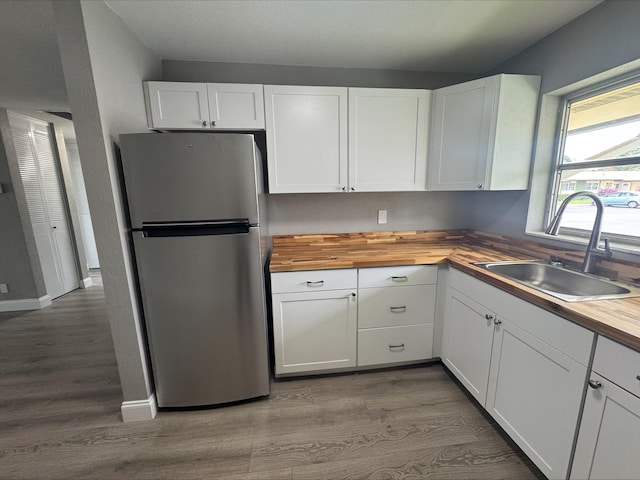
{"points": [[637, 377], [397, 347], [402, 278], [595, 384], [401, 309], [319, 283]]}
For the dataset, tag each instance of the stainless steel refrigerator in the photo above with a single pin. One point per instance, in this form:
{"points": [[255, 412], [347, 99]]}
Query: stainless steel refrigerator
{"points": [[194, 201]]}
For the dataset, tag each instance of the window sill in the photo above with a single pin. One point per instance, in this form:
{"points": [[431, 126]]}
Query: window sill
{"points": [[617, 246]]}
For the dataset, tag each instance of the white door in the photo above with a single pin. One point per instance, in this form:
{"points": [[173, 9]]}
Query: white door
{"points": [[236, 106], [86, 225], [177, 104], [460, 132], [314, 330], [46, 204], [534, 393], [467, 339], [609, 439], [306, 138], [388, 139]]}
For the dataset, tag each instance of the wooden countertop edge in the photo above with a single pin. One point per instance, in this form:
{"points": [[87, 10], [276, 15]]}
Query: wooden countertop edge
{"points": [[462, 256]]}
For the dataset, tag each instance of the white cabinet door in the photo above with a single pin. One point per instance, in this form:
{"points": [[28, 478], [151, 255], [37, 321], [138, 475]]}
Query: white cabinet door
{"points": [[314, 331], [482, 134], [177, 105], [387, 139], [235, 106], [534, 394], [460, 134], [467, 338], [306, 138], [609, 441]]}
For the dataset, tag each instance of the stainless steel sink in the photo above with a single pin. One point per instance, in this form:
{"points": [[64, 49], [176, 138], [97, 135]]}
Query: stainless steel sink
{"points": [[555, 280]]}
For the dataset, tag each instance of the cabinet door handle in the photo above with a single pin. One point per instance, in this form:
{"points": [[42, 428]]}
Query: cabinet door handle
{"points": [[497, 321], [213, 123], [397, 347], [204, 123], [637, 377], [480, 186], [319, 283], [344, 189], [353, 189], [401, 309], [402, 278], [595, 384], [353, 295], [488, 316]]}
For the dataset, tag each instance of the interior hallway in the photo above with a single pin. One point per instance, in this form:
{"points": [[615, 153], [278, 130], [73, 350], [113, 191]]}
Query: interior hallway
{"points": [[60, 417]]}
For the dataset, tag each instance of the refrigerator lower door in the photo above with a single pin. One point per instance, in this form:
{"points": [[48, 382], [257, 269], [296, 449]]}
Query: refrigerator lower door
{"points": [[204, 306]]}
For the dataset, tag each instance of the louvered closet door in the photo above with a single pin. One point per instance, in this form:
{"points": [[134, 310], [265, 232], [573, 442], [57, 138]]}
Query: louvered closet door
{"points": [[57, 210], [46, 207]]}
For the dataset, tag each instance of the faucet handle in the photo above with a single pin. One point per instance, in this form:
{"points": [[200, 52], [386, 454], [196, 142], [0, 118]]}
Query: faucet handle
{"points": [[607, 249]]}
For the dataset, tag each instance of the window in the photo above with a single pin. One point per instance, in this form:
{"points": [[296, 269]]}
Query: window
{"points": [[599, 152]]}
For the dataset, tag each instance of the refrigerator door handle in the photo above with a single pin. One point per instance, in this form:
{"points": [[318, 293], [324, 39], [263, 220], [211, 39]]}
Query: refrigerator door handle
{"points": [[194, 229]]}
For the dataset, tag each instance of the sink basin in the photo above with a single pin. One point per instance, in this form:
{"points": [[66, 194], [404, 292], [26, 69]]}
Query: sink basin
{"points": [[568, 285]]}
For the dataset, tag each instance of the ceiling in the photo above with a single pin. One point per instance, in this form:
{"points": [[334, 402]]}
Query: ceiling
{"points": [[468, 36]]}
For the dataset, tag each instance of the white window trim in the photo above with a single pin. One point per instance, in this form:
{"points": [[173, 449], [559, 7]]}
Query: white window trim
{"points": [[544, 164]]}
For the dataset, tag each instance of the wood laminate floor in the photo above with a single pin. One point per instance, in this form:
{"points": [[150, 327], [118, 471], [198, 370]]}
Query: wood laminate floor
{"points": [[60, 418]]}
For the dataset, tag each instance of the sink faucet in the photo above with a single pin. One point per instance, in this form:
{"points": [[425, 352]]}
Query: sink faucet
{"points": [[593, 250]]}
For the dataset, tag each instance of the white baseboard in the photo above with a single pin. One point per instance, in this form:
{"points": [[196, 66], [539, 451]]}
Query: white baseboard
{"points": [[86, 282], [25, 304], [139, 410]]}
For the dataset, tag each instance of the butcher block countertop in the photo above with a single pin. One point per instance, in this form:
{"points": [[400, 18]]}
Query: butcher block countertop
{"points": [[616, 319]]}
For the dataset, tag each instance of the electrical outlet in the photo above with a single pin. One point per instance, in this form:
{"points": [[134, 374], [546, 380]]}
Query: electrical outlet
{"points": [[4, 288], [382, 216]]}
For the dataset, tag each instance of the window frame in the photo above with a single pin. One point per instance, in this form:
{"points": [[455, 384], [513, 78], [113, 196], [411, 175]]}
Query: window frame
{"points": [[558, 168]]}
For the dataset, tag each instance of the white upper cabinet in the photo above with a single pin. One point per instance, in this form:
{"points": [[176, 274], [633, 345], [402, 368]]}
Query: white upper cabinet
{"points": [[306, 138], [387, 139], [481, 135], [236, 106], [209, 106]]}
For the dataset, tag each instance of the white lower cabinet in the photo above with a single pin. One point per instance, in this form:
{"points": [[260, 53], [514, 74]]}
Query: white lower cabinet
{"points": [[466, 342], [609, 440], [379, 346], [314, 326], [325, 320], [396, 310], [526, 366]]}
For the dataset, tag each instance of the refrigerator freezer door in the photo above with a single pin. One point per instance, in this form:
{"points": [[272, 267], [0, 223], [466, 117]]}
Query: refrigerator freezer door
{"points": [[204, 306], [182, 177]]}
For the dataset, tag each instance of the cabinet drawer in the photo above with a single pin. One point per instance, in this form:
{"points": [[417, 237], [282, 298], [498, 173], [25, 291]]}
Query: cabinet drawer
{"points": [[391, 307], [377, 346], [313, 280], [397, 276], [619, 364]]}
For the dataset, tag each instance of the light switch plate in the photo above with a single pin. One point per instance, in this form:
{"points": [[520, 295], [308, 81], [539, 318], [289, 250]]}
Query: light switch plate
{"points": [[382, 216]]}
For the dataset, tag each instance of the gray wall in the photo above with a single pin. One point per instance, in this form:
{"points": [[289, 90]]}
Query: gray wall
{"points": [[192, 71], [334, 213], [601, 44], [16, 267], [104, 66], [357, 212]]}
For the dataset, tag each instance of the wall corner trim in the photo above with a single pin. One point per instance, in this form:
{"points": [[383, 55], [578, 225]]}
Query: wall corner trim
{"points": [[25, 304], [139, 410], [86, 282]]}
